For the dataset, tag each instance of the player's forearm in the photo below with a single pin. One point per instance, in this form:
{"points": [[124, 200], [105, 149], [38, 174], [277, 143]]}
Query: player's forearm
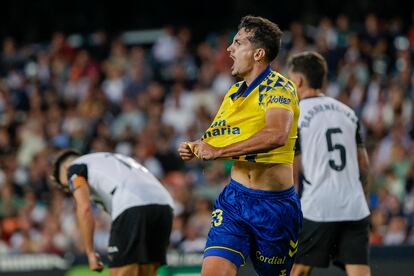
{"points": [[364, 171], [364, 178], [86, 224], [296, 169], [263, 141]]}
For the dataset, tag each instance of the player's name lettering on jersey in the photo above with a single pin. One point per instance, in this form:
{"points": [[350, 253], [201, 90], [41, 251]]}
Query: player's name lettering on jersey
{"points": [[311, 113], [270, 260], [279, 99], [219, 127]]}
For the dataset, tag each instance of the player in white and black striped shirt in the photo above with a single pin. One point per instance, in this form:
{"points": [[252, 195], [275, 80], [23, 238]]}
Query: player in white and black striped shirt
{"points": [[334, 166], [140, 207]]}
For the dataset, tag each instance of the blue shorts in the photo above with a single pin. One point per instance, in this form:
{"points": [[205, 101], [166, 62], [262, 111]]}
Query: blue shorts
{"points": [[261, 224]]}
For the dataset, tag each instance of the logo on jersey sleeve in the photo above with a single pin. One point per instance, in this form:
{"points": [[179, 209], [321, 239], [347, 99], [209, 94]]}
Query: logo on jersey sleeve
{"points": [[75, 181]]}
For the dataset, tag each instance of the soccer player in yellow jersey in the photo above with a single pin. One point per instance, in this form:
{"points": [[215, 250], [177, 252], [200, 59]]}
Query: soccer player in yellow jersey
{"points": [[258, 213]]}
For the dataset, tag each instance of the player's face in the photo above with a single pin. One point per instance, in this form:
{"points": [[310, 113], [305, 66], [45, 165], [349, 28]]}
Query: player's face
{"points": [[242, 53]]}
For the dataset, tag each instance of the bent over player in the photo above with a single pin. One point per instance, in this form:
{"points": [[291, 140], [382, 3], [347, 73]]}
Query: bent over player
{"points": [[258, 213], [140, 207], [334, 163]]}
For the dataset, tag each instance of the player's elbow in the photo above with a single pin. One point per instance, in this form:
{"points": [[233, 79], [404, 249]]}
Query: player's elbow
{"points": [[276, 141], [84, 211]]}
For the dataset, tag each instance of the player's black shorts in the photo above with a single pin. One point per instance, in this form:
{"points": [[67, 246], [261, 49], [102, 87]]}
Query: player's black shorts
{"points": [[343, 242], [140, 235]]}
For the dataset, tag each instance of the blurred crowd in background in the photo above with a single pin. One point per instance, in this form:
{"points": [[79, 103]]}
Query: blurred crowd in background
{"points": [[143, 100]]}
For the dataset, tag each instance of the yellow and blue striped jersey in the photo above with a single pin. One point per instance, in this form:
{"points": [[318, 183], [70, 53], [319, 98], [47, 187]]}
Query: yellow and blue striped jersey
{"points": [[242, 114]]}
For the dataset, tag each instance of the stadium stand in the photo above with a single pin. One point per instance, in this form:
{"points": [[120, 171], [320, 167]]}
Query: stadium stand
{"points": [[103, 94]]}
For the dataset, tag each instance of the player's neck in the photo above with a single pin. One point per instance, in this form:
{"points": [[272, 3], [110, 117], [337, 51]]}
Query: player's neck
{"points": [[310, 93], [254, 73]]}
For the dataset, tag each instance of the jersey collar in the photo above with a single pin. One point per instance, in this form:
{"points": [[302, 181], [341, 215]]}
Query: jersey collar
{"points": [[246, 90], [313, 97]]}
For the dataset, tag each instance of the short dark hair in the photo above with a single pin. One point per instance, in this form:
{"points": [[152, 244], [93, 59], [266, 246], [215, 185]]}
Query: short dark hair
{"points": [[265, 34], [62, 157], [312, 66]]}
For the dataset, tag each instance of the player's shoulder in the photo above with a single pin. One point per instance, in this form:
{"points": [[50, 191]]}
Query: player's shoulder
{"points": [[317, 100], [345, 108], [91, 158], [278, 83], [326, 103]]}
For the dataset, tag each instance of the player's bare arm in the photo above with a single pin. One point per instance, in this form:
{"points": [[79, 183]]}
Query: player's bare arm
{"points": [[273, 135], [297, 167], [86, 222], [363, 164]]}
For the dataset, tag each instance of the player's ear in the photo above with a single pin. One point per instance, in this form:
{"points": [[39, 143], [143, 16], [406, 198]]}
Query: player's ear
{"points": [[259, 54], [302, 81], [298, 79]]}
